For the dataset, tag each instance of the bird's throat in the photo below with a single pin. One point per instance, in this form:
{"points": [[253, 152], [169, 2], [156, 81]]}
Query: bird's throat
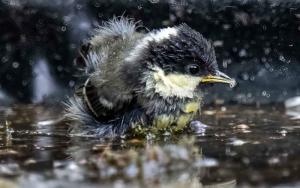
{"points": [[171, 85]]}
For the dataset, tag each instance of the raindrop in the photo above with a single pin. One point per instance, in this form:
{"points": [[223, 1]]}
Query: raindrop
{"points": [[15, 65], [226, 26], [243, 53], [232, 84], [4, 59], [218, 43], [281, 58], [71, 83], [24, 83], [273, 160], [63, 28], [283, 132], [237, 142], [60, 68], [67, 18], [245, 76], [224, 64], [198, 127], [153, 1], [78, 6], [97, 4], [208, 162], [267, 51]]}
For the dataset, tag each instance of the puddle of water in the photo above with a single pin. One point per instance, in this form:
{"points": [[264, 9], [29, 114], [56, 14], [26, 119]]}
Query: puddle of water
{"points": [[236, 145]]}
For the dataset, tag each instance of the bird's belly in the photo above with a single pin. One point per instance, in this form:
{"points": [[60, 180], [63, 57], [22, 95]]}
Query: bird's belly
{"points": [[179, 120], [168, 121]]}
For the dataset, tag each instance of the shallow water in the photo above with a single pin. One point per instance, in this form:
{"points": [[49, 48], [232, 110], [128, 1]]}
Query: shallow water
{"points": [[234, 145]]}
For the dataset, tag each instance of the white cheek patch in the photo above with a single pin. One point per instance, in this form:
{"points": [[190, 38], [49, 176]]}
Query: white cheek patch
{"points": [[156, 36], [179, 85]]}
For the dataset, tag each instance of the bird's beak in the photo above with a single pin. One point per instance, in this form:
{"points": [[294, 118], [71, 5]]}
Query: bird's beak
{"points": [[219, 77]]}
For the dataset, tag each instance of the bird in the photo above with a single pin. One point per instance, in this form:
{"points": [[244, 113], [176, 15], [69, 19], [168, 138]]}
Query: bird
{"points": [[134, 81]]}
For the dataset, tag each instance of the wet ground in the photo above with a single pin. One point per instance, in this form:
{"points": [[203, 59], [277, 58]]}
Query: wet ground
{"points": [[234, 146]]}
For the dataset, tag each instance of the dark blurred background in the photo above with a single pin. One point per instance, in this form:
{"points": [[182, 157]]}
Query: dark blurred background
{"points": [[257, 42]]}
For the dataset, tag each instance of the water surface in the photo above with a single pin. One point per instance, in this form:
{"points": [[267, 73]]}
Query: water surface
{"points": [[234, 145]]}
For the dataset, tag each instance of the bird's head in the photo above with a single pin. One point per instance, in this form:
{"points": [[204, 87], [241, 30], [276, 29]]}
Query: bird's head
{"points": [[177, 62]]}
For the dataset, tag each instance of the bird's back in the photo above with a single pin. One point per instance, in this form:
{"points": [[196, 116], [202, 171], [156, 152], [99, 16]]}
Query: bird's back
{"points": [[105, 91], [111, 44]]}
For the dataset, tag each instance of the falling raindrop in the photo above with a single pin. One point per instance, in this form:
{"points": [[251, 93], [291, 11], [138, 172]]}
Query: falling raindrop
{"points": [[15, 65], [154, 1], [63, 28], [232, 84]]}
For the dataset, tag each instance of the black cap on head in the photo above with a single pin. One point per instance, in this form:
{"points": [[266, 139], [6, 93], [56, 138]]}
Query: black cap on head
{"points": [[187, 52]]}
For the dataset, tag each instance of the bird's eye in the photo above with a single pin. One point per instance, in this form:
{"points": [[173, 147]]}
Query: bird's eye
{"points": [[193, 69]]}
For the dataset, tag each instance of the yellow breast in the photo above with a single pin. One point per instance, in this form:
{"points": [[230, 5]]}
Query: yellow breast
{"points": [[191, 107], [177, 121], [170, 122]]}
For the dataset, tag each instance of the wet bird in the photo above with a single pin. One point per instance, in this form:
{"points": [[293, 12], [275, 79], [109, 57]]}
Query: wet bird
{"points": [[136, 81]]}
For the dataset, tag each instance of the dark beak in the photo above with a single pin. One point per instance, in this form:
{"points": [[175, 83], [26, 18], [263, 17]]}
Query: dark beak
{"points": [[219, 77]]}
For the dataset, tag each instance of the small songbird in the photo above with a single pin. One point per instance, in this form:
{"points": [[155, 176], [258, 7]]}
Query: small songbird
{"points": [[136, 81]]}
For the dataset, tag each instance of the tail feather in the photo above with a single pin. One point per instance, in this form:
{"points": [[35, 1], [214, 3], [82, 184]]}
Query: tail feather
{"points": [[89, 125]]}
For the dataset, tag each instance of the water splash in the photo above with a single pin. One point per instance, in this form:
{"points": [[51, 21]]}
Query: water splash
{"points": [[44, 84], [232, 84]]}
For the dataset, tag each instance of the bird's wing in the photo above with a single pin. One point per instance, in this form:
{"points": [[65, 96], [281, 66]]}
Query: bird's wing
{"points": [[103, 91], [105, 102]]}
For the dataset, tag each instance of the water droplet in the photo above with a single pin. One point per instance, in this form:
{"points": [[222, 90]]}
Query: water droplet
{"points": [[72, 83], [232, 84], [243, 53], [273, 160], [283, 132], [237, 142], [153, 1], [63, 28], [15, 65], [198, 127], [60, 68], [79, 6], [208, 162], [245, 76], [282, 58]]}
